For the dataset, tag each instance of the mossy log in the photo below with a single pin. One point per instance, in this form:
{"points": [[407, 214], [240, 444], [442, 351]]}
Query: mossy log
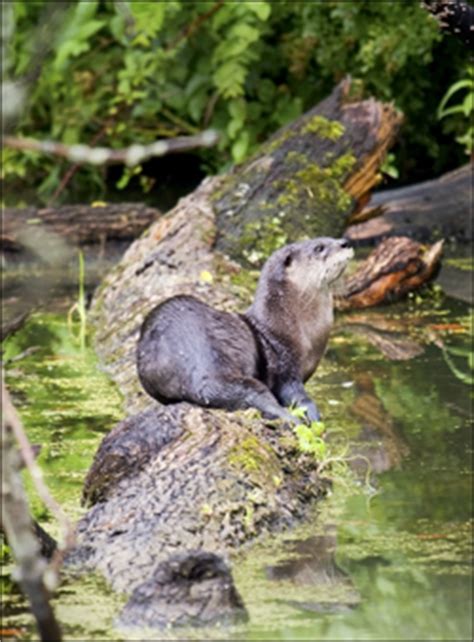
{"points": [[307, 178], [181, 477], [306, 181]]}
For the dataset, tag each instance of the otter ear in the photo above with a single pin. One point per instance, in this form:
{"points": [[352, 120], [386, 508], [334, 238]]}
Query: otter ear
{"points": [[288, 260]]}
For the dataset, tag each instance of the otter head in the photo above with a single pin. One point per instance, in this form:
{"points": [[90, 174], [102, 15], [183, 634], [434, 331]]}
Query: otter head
{"points": [[317, 264], [308, 266]]}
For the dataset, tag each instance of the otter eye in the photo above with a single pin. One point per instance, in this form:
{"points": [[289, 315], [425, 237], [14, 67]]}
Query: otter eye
{"points": [[288, 260], [318, 248]]}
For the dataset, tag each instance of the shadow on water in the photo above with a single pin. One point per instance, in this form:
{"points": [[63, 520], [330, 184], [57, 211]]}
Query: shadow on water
{"points": [[387, 556]]}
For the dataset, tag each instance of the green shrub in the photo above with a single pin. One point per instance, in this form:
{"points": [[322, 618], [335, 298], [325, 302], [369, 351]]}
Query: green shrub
{"points": [[123, 72]]}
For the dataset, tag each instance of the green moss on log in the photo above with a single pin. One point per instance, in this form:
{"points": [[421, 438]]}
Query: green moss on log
{"points": [[257, 460], [325, 128], [293, 190], [324, 184]]}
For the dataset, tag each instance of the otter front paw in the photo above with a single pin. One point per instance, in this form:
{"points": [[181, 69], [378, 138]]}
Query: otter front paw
{"points": [[312, 411]]}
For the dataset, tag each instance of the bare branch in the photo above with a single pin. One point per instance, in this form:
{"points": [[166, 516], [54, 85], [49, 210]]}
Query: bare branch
{"points": [[32, 572], [130, 156], [190, 29], [11, 418]]}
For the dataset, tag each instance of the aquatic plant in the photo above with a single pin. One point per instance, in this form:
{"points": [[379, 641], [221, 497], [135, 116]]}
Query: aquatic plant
{"points": [[79, 307]]}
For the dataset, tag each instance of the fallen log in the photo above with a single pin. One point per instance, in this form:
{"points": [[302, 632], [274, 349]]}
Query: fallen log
{"points": [[169, 479], [439, 208], [78, 224], [397, 266]]}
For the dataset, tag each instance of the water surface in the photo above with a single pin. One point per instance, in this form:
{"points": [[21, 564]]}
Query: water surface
{"points": [[387, 556]]}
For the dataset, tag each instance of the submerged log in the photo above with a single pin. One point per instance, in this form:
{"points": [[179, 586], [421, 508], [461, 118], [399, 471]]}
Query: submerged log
{"points": [[78, 224], [439, 208], [169, 479], [397, 266]]}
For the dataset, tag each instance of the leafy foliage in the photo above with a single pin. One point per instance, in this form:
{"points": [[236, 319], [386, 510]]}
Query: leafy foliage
{"points": [[130, 72]]}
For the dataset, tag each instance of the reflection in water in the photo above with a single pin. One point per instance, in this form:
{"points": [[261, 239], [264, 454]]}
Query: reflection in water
{"points": [[315, 565], [378, 441]]}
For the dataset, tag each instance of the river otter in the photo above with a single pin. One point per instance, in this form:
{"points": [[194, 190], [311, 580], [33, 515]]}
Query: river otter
{"points": [[188, 351]]}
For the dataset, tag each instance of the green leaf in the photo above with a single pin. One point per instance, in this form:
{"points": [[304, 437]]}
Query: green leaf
{"points": [[233, 128], [461, 84], [86, 10], [240, 147], [449, 111], [117, 28], [467, 140], [197, 105], [229, 79], [238, 109], [469, 104], [149, 16], [77, 42], [261, 9], [245, 33]]}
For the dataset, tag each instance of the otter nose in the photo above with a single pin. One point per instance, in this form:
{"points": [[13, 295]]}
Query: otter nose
{"points": [[344, 243]]}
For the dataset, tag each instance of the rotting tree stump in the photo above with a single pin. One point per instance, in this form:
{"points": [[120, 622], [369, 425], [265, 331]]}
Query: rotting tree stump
{"points": [[220, 479]]}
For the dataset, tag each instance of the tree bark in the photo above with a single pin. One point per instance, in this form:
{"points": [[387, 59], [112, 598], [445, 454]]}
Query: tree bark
{"points": [[439, 208]]}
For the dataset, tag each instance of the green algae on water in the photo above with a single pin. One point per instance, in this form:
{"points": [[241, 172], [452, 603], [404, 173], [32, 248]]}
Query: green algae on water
{"points": [[65, 401]]}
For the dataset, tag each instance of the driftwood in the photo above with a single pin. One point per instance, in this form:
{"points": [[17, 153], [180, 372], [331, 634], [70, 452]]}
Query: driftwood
{"points": [[397, 266], [78, 224], [209, 479], [440, 208]]}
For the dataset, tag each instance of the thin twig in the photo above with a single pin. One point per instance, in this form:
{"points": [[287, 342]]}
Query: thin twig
{"points": [[35, 577], [28, 456], [194, 25], [103, 155], [74, 168]]}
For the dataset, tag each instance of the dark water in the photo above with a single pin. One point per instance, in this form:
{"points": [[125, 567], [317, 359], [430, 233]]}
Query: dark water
{"points": [[387, 556]]}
